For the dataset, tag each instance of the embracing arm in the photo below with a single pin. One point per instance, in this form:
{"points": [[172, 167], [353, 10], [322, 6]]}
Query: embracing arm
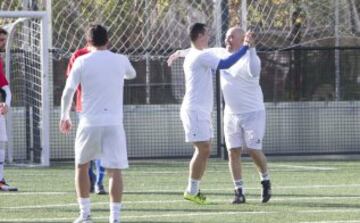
{"points": [[229, 61], [176, 55]]}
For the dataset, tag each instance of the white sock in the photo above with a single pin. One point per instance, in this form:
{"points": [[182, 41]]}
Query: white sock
{"points": [[264, 176], [193, 186], [2, 161], [115, 211], [238, 184], [84, 204]]}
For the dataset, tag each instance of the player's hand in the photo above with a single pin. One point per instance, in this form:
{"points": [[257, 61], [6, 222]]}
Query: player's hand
{"points": [[3, 109], [65, 126], [249, 39], [173, 57]]}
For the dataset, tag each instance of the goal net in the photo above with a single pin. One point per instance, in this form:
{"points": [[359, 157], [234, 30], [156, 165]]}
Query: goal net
{"points": [[158, 27], [25, 66]]}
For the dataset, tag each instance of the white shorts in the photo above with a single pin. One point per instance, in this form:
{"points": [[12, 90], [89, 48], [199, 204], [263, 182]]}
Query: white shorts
{"points": [[244, 130], [107, 143], [3, 134], [197, 125]]}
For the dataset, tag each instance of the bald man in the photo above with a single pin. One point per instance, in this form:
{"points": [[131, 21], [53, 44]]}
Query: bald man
{"points": [[244, 115]]}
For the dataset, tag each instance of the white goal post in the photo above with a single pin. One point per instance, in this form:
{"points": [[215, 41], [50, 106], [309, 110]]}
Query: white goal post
{"points": [[43, 44]]}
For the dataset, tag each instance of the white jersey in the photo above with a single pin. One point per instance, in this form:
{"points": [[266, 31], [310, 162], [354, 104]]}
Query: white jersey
{"points": [[199, 66], [101, 76], [240, 87]]}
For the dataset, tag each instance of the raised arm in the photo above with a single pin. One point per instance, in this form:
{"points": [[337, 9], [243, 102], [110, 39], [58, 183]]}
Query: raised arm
{"points": [[254, 64], [130, 71], [229, 61]]}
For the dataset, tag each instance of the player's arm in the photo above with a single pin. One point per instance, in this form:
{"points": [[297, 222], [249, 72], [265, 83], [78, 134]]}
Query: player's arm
{"points": [[254, 63], [176, 55], [71, 85], [130, 71], [183, 53], [4, 107], [233, 58]]}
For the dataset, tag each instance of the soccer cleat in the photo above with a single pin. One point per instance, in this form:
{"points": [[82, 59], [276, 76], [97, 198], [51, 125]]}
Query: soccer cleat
{"points": [[99, 189], [239, 197], [266, 191], [92, 188], [6, 187], [199, 198], [82, 219]]}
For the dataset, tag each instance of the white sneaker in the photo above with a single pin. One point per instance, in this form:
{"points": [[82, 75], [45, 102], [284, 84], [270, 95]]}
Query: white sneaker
{"points": [[82, 219]]}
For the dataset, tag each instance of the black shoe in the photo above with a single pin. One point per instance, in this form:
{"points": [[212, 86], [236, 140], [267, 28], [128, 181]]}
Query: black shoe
{"points": [[99, 189], [6, 187], [239, 196], [92, 188], [266, 191]]}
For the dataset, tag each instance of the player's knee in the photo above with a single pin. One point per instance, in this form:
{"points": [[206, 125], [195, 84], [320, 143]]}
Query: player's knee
{"points": [[234, 154]]}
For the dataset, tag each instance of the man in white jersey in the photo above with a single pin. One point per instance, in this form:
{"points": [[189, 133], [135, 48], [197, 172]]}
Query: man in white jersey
{"points": [[199, 66], [100, 133], [244, 118]]}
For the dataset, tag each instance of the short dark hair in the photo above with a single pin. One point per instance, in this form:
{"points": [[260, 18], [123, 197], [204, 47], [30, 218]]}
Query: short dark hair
{"points": [[3, 31], [97, 35], [196, 29]]}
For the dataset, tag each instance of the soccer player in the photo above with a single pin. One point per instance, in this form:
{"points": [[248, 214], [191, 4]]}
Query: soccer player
{"points": [[96, 180], [100, 133], [4, 107], [244, 116], [199, 66]]}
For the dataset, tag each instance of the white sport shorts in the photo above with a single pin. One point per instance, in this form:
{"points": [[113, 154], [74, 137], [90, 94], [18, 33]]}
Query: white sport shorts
{"points": [[197, 125], [107, 143], [3, 134], [245, 130]]}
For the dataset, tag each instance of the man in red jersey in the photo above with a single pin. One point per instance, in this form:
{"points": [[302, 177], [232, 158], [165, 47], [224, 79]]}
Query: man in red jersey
{"points": [[4, 107]]}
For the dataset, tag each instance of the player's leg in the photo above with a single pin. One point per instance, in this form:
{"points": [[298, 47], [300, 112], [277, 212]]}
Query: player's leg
{"points": [[198, 131], [197, 169], [82, 184], [234, 141], [87, 148], [261, 164], [254, 133], [114, 159], [3, 139], [115, 192], [100, 173]]}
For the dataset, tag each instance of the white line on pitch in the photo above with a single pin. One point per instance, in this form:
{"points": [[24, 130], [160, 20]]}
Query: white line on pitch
{"points": [[341, 221], [178, 201], [303, 167], [344, 221], [184, 215], [175, 191]]}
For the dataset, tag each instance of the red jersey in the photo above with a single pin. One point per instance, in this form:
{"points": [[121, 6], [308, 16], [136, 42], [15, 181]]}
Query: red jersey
{"points": [[3, 81], [73, 57]]}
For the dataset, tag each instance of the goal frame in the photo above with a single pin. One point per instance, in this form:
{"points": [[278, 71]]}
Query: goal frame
{"points": [[44, 61]]}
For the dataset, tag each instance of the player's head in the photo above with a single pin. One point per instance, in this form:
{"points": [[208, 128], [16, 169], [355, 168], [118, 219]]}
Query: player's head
{"points": [[3, 36], [234, 38], [97, 36], [199, 35]]}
